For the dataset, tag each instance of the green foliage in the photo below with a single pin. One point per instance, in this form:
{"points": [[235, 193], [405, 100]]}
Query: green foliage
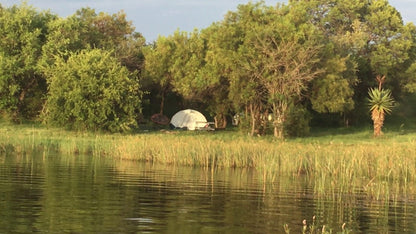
{"points": [[86, 29], [407, 75], [22, 34], [380, 100], [387, 48], [92, 91], [158, 67], [297, 121], [262, 59], [258, 60], [158, 62], [363, 39], [409, 83], [276, 61], [389, 42], [332, 91]]}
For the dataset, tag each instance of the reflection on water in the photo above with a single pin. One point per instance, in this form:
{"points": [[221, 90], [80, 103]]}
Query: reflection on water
{"points": [[82, 194]]}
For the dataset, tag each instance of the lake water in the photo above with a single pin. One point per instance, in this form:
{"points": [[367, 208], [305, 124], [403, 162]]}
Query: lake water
{"points": [[82, 194]]}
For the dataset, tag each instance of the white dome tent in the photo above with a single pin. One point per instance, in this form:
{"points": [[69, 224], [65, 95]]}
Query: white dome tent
{"points": [[190, 119]]}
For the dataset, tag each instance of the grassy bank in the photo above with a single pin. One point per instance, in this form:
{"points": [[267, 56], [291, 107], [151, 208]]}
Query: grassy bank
{"points": [[334, 159]]}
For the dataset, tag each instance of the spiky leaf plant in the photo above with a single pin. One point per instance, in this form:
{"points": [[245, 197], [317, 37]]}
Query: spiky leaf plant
{"points": [[381, 103]]}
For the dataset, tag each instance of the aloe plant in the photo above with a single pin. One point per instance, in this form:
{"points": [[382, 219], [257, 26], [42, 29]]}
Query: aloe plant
{"points": [[381, 103]]}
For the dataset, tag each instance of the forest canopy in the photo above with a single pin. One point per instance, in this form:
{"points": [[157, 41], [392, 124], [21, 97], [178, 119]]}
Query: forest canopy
{"points": [[281, 68]]}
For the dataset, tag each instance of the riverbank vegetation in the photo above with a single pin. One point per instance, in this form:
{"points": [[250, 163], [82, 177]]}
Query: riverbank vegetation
{"points": [[299, 65], [338, 162], [88, 84]]}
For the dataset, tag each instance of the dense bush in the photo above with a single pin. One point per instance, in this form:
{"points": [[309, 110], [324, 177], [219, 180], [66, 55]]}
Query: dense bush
{"points": [[92, 91], [297, 122]]}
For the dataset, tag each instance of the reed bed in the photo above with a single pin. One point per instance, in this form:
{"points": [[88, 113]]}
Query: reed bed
{"points": [[333, 165]]}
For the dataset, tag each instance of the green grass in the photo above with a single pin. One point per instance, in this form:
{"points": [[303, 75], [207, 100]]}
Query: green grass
{"points": [[335, 160]]}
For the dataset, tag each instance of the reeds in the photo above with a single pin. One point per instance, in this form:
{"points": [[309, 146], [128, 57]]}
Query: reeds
{"points": [[312, 228], [332, 166]]}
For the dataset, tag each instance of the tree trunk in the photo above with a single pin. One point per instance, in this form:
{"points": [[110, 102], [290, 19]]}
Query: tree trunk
{"points": [[220, 121], [264, 122], [276, 132], [278, 128], [162, 103], [378, 121], [163, 91], [279, 115], [22, 97], [253, 120]]}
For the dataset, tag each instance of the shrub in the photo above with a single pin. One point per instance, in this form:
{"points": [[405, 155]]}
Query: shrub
{"points": [[92, 91], [297, 121]]}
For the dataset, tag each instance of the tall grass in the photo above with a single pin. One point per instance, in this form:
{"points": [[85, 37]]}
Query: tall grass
{"points": [[333, 162]]}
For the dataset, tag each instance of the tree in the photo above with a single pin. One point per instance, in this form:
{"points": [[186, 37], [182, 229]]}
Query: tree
{"points": [[242, 60], [287, 57], [87, 30], [115, 32], [408, 77], [22, 34], [92, 91], [216, 73], [158, 65], [273, 58], [388, 40], [363, 40], [338, 20], [181, 63], [342, 36], [381, 103], [386, 49], [197, 74]]}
